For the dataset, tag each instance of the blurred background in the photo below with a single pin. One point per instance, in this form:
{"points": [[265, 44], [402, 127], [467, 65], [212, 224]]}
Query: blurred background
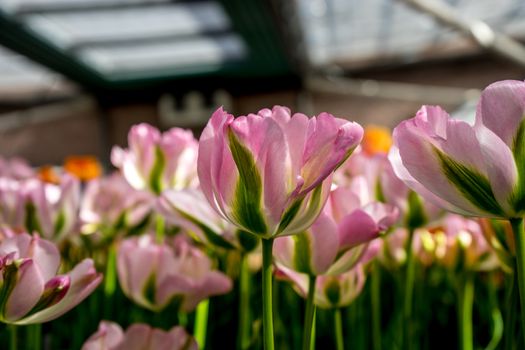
{"points": [[76, 74]]}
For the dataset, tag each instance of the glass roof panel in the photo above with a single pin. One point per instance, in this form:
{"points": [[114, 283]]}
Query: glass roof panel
{"points": [[47, 5], [67, 29], [188, 53], [20, 77], [358, 31]]}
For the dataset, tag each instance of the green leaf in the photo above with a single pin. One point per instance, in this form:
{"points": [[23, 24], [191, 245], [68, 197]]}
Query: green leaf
{"points": [[475, 187], [248, 191]]}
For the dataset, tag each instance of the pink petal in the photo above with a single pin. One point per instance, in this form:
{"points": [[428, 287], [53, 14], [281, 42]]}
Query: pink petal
{"points": [[107, 337], [84, 280], [502, 108], [28, 288]]}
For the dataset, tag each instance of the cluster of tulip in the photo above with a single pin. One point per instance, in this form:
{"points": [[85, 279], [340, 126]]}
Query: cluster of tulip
{"points": [[339, 214]]}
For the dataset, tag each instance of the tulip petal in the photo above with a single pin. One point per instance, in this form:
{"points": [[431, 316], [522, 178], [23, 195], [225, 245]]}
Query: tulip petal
{"points": [[248, 193], [215, 166], [190, 209], [108, 336], [426, 152], [24, 285], [502, 108], [501, 169], [137, 337], [84, 279]]}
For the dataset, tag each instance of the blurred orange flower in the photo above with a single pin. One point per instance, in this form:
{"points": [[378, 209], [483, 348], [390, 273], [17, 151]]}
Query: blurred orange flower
{"points": [[377, 139], [84, 168]]}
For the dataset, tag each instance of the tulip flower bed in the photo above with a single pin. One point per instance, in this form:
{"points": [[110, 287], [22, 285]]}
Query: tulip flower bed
{"points": [[275, 230]]}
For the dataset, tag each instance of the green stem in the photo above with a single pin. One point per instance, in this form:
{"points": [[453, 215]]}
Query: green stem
{"points": [[338, 324], [312, 343], [409, 292], [519, 239], [375, 295], [510, 313], [183, 319], [243, 340], [465, 303], [13, 336], [35, 336], [110, 279], [309, 318], [201, 323], [497, 319], [159, 229], [267, 246]]}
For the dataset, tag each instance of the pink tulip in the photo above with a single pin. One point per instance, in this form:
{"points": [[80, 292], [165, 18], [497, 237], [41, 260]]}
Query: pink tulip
{"points": [[111, 204], [331, 291], [472, 170], [457, 243], [154, 275], [158, 161], [375, 177], [139, 337], [189, 209], [31, 290], [338, 238], [16, 168], [33, 205], [270, 173]]}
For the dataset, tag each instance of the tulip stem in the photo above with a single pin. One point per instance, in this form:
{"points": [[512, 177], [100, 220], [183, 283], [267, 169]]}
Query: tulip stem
{"points": [[510, 313], [159, 229], [13, 336], [375, 296], [267, 246], [497, 320], [110, 281], [409, 291], [519, 238], [309, 318], [201, 323], [243, 341], [338, 325], [35, 336], [465, 303]]}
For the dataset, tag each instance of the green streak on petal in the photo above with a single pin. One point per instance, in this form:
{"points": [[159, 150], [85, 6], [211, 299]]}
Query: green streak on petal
{"points": [[150, 290], [155, 176], [247, 240], [49, 298], [248, 191], [31, 220], [332, 291], [416, 213], [379, 193], [10, 276], [517, 199], [474, 186], [59, 224], [302, 250], [289, 215], [212, 236]]}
